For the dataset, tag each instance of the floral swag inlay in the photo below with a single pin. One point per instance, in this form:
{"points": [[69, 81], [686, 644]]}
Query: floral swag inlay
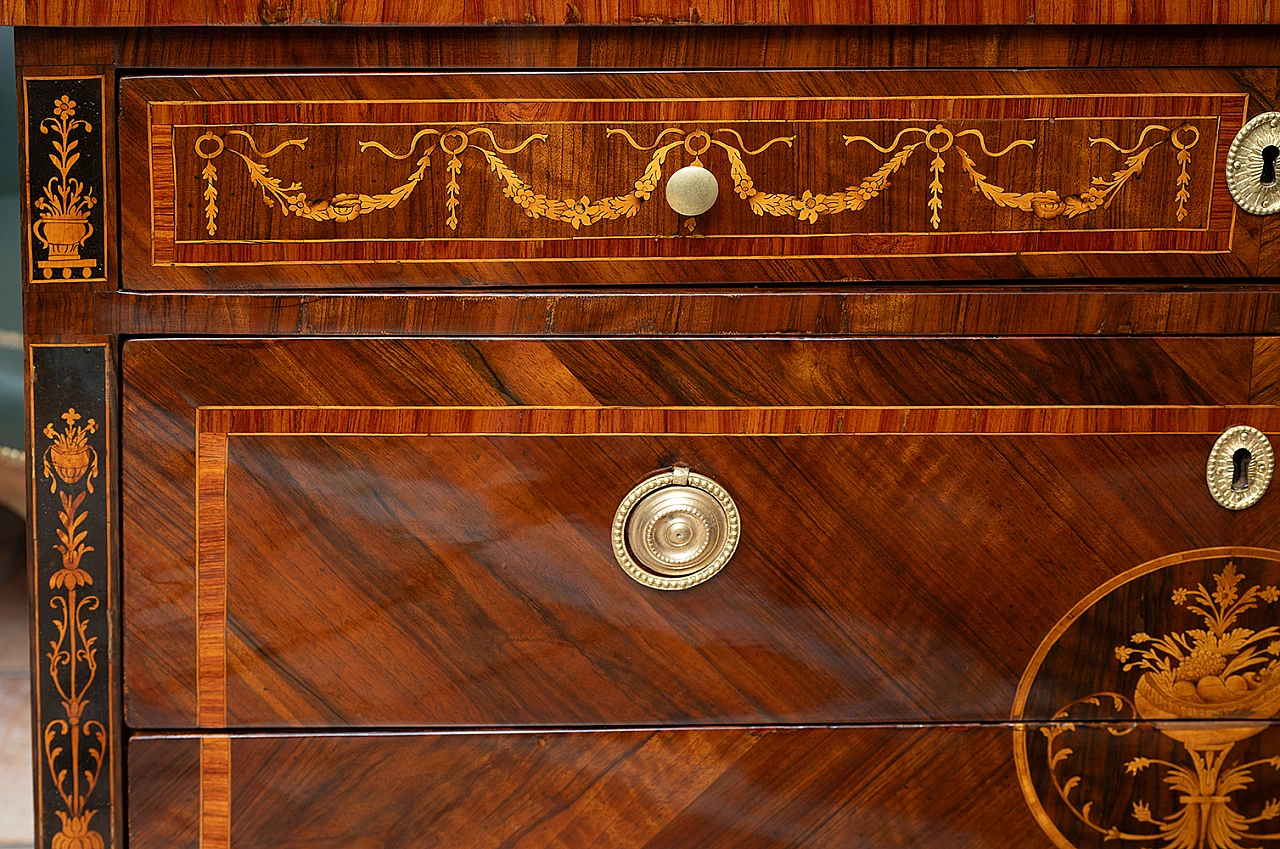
{"points": [[456, 144]]}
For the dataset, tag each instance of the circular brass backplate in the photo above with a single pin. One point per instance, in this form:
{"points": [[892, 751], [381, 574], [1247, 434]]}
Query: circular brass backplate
{"points": [[675, 530], [1245, 161], [1222, 468]]}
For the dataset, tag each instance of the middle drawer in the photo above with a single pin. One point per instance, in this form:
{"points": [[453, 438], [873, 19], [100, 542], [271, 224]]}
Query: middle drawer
{"points": [[422, 532]]}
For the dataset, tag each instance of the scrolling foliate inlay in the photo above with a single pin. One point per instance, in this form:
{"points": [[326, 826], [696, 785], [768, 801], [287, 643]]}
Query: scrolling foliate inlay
{"points": [[457, 144], [74, 749], [1170, 745], [72, 596]]}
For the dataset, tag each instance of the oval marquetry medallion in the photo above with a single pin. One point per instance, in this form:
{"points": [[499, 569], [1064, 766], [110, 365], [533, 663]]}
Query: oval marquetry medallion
{"points": [[1164, 684]]}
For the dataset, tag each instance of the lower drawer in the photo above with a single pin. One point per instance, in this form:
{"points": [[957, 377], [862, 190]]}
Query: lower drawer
{"points": [[988, 786]]}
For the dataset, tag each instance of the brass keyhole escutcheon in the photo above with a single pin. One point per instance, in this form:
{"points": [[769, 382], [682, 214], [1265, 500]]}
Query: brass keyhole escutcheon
{"points": [[675, 530], [1240, 466], [1251, 165]]}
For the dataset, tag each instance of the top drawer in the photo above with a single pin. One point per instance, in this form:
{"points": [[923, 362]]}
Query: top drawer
{"points": [[426, 179]]}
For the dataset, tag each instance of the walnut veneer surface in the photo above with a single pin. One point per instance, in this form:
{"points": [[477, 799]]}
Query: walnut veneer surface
{"points": [[345, 345]]}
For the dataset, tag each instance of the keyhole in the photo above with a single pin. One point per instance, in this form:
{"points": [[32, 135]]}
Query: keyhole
{"points": [[1240, 469], [1269, 155]]}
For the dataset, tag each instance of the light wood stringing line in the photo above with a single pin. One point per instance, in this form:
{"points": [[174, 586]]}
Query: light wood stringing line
{"points": [[215, 792], [211, 580]]}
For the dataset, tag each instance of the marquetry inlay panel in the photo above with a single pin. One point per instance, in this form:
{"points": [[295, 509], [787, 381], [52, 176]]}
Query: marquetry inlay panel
{"points": [[1188, 643], [447, 170], [65, 178], [73, 599]]}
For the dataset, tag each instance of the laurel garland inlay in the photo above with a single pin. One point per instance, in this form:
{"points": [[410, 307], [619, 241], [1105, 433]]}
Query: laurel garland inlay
{"points": [[584, 211]]}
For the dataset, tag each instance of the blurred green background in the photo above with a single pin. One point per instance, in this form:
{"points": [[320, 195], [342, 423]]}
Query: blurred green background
{"points": [[10, 260]]}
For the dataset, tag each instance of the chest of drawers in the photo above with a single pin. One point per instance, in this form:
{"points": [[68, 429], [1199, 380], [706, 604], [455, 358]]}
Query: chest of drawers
{"points": [[742, 425]]}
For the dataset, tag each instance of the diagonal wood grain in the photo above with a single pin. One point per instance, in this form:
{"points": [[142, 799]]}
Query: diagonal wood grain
{"points": [[468, 579], [484, 590], [164, 792], [740, 788], [630, 789], [1264, 386]]}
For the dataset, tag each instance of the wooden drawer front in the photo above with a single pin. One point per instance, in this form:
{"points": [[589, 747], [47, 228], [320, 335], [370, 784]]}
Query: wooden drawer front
{"points": [[301, 548], [733, 788], [465, 179]]}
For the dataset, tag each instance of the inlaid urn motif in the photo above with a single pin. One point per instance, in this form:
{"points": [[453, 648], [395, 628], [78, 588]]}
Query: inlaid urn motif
{"points": [[70, 454], [63, 224], [1166, 742]]}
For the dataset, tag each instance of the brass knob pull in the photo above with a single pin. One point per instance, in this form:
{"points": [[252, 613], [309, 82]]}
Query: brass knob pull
{"points": [[1240, 466], [692, 190], [675, 530]]}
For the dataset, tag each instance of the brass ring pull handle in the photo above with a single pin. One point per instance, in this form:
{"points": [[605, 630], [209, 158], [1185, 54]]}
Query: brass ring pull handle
{"points": [[1240, 466], [675, 530]]}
